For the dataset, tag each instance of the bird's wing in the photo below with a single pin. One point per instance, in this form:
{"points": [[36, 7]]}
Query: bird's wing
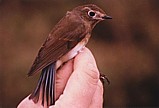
{"points": [[65, 35]]}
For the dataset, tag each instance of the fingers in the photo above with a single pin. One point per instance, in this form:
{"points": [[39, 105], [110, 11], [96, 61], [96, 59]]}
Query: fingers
{"points": [[62, 77], [83, 88], [82, 84], [86, 65], [97, 101]]}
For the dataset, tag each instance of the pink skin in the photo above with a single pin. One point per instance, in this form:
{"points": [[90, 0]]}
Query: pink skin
{"points": [[77, 85]]}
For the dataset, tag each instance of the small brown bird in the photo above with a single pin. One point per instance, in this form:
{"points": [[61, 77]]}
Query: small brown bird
{"points": [[64, 42]]}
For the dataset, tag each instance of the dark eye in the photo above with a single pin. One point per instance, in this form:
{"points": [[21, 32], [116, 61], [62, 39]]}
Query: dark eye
{"points": [[91, 13]]}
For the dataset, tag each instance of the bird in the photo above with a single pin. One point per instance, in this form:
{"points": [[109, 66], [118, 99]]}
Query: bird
{"points": [[68, 37]]}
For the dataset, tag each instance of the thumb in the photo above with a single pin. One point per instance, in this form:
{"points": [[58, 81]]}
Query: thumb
{"points": [[82, 84]]}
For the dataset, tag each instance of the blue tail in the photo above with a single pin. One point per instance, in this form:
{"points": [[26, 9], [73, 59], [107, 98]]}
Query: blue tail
{"points": [[46, 83]]}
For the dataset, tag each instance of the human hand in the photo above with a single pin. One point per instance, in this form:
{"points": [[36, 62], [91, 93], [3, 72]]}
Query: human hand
{"points": [[77, 85]]}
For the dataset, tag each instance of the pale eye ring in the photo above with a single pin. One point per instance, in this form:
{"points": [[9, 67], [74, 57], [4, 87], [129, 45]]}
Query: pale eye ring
{"points": [[91, 13]]}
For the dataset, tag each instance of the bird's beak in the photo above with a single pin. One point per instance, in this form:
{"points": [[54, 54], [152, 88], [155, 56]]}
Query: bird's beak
{"points": [[106, 17]]}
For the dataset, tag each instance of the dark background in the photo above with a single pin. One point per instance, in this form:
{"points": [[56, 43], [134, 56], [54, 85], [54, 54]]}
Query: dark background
{"points": [[126, 48]]}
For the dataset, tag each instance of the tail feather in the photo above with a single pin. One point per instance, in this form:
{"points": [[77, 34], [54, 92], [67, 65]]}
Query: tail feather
{"points": [[52, 87], [35, 94], [47, 88], [46, 84]]}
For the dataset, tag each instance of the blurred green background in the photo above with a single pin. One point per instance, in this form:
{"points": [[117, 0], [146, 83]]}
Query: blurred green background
{"points": [[126, 48]]}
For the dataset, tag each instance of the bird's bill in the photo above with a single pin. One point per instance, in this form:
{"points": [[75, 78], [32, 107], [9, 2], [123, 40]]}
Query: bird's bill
{"points": [[106, 17]]}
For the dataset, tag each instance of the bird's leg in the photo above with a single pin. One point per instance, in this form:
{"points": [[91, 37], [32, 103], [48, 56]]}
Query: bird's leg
{"points": [[103, 78]]}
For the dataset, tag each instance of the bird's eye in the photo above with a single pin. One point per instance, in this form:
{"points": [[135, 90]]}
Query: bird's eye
{"points": [[91, 13]]}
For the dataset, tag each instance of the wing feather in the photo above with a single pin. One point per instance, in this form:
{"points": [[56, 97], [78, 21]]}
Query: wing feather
{"points": [[56, 45]]}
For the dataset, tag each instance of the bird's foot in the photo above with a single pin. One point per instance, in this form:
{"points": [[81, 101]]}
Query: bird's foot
{"points": [[103, 78]]}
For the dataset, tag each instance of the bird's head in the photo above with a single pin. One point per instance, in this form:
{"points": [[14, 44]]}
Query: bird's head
{"points": [[91, 13]]}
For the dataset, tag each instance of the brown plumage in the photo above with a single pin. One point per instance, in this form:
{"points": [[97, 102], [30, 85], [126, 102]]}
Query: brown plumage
{"points": [[66, 39]]}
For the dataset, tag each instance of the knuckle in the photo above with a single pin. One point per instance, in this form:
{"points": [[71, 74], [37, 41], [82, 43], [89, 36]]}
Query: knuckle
{"points": [[92, 73], [100, 85]]}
